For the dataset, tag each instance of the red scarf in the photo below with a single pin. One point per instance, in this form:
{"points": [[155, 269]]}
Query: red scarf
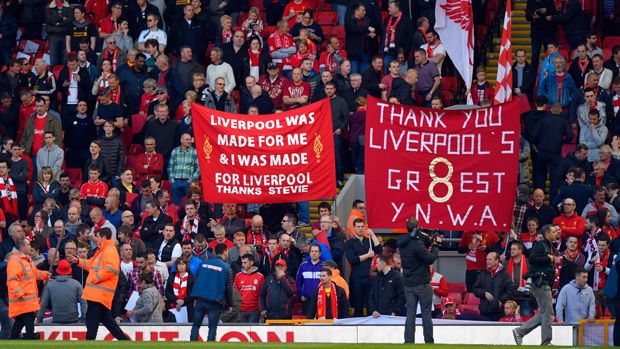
{"points": [[187, 235], [560, 80], [583, 66], [254, 58], [390, 33], [226, 36], [179, 287], [114, 59], [429, 48], [321, 302], [616, 104], [522, 271], [99, 225], [9, 197], [494, 272], [599, 276]]}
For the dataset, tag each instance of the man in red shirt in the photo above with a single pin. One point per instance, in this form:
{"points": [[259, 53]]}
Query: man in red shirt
{"points": [[36, 126], [26, 109], [220, 237], [331, 58], [475, 245], [273, 83], [94, 191], [570, 223], [108, 25], [249, 283], [281, 46], [296, 92]]}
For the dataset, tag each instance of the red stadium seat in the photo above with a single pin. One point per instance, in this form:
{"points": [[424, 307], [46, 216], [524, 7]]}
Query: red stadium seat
{"points": [[384, 15], [137, 122], [166, 185], [607, 53], [268, 30], [126, 137], [75, 176], [471, 309], [256, 3], [611, 41], [327, 30], [326, 17], [568, 149], [131, 162], [457, 287], [471, 299], [242, 17], [57, 70], [338, 31], [135, 149], [457, 297]]}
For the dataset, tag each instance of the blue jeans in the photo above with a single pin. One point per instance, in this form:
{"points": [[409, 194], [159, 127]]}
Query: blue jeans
{"points": [[360, 66], [424, 295], [213, 310], [342, 12], [5, 321], [179, 190], [338, 144], [303, 210]]}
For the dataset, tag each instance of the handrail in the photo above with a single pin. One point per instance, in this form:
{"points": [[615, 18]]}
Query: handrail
{"points": [[299, 322]]}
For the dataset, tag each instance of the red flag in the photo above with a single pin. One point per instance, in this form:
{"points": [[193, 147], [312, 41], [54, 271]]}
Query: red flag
{"points": [[285, 157], [503, 84]]}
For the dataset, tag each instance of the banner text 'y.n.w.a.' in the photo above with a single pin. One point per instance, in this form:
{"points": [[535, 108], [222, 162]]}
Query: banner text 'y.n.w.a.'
{"points": [[284, 157], [450, 169]]}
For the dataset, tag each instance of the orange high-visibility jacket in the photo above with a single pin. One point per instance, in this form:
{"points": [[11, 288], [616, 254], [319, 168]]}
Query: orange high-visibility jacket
{"points": [[22, 276], [103, 271]]}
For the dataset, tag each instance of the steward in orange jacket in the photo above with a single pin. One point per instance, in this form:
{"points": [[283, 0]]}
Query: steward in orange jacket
{"points": [[22, 276], [103, 270]]}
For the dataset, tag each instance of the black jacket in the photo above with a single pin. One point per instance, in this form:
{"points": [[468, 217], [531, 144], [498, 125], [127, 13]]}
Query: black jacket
{"points": [[571, 161], [527, 84], [276, 297], [353, 249], [371, 80], [576, 73], [293, 259], [545, 215], [84, 85], [403, 38], [540, 26], [500, 286], [171, 298], [539, 261], [120, 296], [416, 259], [573, 19], [387, 294], [550, 133], [355, 31], [343, 305], [578, 191], [151, 230]]}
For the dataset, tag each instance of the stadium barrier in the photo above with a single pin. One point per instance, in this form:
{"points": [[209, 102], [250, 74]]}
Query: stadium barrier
{"points": [[599, 333], [455, 333]]}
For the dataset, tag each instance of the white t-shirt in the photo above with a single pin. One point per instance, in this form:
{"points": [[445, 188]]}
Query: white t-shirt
{"points": [[126, 268], [158, 35], [436, 51]]}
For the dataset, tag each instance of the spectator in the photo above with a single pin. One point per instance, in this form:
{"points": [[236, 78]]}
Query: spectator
{"points": [[340, 119], [331, 59], [161, 128], [179, 289], [63, 294], [494, 287], [599, 202], [80, 28], [435, 52], [249, 283], [307, 280], [475, 246], [187, 31], [359, 251], [576, 300], [183, 167], [276, 298], [46, 187], [281, 46], [428, 77], [219, 99], [131, 82], [395, 33], [511, 312], [581, 65], [37, 125], [253, 26], [387, 293], [148, 306], [329, 300], [541, 211], [605, 75], [600, 177], [150, 162], [598, 266], [579, 158], [572, 260], [154, 224], [522, 75], [557, 86], [296, 92], [570, 223], [482, 90], [219, 69], [288, 252], [573, 21]]}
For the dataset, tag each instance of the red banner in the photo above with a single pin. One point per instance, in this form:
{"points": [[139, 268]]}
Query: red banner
{"points": [[450, 169], [285, 157]]}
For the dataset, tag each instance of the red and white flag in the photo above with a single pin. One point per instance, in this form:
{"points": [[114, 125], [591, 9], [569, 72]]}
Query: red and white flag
{"points": [[455, 25], [503, 84]]}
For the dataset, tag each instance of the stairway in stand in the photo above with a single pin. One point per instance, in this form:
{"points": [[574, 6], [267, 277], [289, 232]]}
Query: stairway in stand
{"points": [[520, 38]]}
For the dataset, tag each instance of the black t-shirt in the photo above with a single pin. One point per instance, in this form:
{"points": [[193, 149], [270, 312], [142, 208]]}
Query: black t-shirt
{"points": [[78, 31], [109, 112]]}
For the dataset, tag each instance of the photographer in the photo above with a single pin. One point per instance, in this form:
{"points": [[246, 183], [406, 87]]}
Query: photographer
{"points": [[541, 262], [418, 251]]}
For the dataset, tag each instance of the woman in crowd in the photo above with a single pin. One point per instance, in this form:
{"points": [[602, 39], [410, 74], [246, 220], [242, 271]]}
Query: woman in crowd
{"points": [[148, 306], [46, 187], [179, 288]]}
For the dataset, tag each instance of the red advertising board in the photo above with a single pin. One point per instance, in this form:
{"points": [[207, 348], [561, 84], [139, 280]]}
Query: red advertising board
{"points": [[285, 157], [452, 170]]}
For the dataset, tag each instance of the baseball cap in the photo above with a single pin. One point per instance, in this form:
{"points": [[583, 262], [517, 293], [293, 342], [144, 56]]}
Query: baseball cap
{"points": [[281, 262], [446, 300], [272, 65]]}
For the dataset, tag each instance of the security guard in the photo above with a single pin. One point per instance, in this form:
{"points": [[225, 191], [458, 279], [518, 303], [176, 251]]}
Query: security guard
{"points": [[22, 276], [100, 285]]}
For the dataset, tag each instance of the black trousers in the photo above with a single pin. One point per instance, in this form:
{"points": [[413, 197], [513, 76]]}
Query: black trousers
{"points": [[21, 321], [98, 313]]}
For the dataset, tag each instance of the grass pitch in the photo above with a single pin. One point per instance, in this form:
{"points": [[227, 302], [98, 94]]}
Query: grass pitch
{"points": [[202, 345]]}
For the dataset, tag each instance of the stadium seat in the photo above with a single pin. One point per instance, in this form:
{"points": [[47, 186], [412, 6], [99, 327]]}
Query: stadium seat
{"points": [[137, 122], [268, 30], [457, 287], [75, 176], [126, 137], [166, 185], [131, 161], [384, 15], [326, 17], [338, 31], [471, 299], [607, 53], [135, 149], [256, 3], [457, 297], [327, 30], [567, 149], [611, 41], [471, 309], [57, 70]]}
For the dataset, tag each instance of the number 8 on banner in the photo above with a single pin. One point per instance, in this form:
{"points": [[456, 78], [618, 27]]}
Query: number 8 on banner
{"points": [[440, 180]]}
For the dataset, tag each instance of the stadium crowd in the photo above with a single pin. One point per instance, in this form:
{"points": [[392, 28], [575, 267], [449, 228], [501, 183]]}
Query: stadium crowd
{"points": [[97, 140]]}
